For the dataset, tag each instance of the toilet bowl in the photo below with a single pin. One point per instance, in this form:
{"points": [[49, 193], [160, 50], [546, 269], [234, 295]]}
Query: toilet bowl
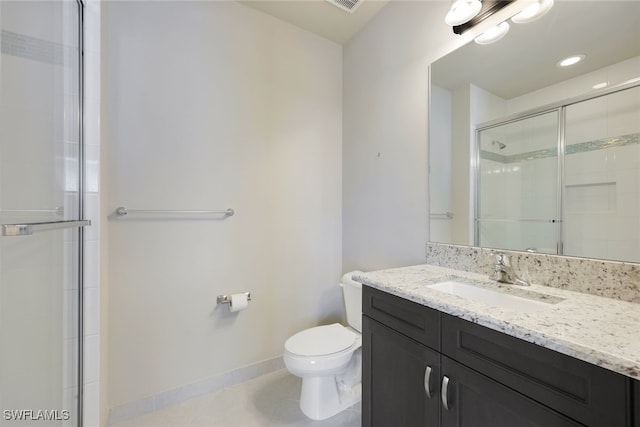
{"points": [[329, 359]]}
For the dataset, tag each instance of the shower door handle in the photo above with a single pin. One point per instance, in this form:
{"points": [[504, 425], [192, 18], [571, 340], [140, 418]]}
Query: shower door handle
{"points": [[33, 227]]}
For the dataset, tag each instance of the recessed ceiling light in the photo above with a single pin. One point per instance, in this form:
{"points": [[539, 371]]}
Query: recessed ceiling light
{"points": [[600, 85], [533, 12], [494, 34], [571, 60], [462, 11]]}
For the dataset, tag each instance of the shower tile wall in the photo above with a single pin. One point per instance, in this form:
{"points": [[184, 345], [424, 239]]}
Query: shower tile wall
{"points": [[516, 190], [602, 183]]}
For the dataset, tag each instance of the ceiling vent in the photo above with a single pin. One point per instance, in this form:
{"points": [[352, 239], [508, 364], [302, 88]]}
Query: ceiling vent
{"points": [[346, 5]]}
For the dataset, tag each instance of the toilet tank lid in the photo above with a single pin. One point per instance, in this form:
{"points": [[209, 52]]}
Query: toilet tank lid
{"points": [[347, 278], [321, 340]]}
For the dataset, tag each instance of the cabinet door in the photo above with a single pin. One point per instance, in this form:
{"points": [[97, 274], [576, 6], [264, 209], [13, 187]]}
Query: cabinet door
{"points": [[396, 373], [474, 400], [584, 392]]}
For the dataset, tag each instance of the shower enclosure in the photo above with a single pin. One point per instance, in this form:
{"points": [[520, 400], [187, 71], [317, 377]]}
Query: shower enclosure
{"points": [[41, 213], [563, 179]]}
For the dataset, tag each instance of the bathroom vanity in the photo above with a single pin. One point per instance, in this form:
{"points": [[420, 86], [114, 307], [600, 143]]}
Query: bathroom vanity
{"points": [[431, 358]]}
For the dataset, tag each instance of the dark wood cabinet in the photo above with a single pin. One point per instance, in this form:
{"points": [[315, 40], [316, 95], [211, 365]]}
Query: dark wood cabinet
{"points": [[426, 368], [636, 404], [400, 362], [401, 379], [474, 400], [585, 392]]}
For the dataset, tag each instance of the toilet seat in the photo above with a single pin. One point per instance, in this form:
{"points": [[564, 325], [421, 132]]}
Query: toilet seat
{"points": [[321, 341]]}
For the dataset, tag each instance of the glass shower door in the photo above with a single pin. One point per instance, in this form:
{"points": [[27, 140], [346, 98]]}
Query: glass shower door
{"points": [[516, 178], [40, 213]]}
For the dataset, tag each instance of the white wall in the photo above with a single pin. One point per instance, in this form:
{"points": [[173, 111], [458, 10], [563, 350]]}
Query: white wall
{"points": [[212, 105], [385, 214], [385, 132], [461, 143], [615, 74]]}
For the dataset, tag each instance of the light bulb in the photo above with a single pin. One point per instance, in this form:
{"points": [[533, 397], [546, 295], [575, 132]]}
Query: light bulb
{"points": [[462, 11], [533, 12], [494, 34]]}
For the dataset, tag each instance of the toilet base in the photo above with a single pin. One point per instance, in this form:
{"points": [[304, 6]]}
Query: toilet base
{"points": [[321, 397]]}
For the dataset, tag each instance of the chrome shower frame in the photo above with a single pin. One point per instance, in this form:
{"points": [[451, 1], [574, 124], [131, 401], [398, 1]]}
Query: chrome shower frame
{"points": [[81, 211]]}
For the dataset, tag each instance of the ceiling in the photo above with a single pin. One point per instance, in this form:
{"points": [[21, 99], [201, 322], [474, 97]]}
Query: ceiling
{"points": [[607, 32], [320, 16]]}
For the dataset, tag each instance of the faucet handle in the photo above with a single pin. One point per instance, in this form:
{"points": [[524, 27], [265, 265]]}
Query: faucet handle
{"points": [[503, 259], [503, 272], [499, 268]]}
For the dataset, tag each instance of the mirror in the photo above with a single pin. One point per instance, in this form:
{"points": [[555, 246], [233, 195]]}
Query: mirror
{"points": [[527, 155]]}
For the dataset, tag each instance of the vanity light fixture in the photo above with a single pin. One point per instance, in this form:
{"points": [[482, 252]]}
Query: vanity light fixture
{"points": [[533, 12], [494, 34], [487, 9], [462, 11], [570, 60]]}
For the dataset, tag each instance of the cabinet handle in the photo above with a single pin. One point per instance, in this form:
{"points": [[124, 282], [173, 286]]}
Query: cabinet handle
{"points": [[444, 392], [427, 381]]}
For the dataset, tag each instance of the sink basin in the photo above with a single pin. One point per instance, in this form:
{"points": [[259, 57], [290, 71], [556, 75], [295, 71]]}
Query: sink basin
{"points": [[491, 297]]}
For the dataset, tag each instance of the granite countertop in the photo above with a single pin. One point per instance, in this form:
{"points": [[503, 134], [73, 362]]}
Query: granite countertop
{"points": [[598, 330]]}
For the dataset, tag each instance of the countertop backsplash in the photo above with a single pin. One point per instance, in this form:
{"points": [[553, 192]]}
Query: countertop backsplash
{"points": [[611, 279]]}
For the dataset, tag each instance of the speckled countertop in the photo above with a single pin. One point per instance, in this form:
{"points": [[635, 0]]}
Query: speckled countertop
{"points": [[598, 330]]}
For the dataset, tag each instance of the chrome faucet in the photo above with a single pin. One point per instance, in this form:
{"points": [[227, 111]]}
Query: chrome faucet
{"points": [[503, 272]]}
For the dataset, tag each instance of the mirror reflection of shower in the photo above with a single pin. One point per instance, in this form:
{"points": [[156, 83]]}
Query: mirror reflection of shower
{"points": [[503, 83], [588, 209]]}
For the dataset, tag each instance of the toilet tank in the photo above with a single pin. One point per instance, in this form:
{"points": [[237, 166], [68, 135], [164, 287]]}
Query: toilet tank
{"points": [[352, 292]]}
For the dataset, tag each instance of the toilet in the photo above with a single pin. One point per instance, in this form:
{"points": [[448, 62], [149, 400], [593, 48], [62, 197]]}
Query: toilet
{"points": [[329, 359]]}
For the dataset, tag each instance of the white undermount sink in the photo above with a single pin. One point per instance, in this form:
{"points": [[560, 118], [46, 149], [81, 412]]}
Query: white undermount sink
{"points": [[491, 297]]}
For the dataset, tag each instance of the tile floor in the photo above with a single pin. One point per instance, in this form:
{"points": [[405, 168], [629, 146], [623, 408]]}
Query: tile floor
{"points": [[271, 400]]}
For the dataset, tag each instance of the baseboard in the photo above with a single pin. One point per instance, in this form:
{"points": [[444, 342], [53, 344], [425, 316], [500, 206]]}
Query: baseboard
{"points": [[153, 403]]}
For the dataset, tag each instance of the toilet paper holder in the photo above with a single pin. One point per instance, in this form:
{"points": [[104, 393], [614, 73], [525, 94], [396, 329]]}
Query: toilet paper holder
{"points": [[226, 299]]}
